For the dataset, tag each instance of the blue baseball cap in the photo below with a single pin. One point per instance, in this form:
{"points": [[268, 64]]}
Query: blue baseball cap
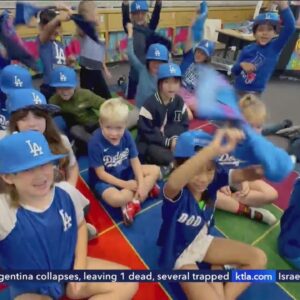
{"points": [[189, 142], [25, 150], [268, 17], [137, 6], [63, 77], [208, 47], [15, 77], [27, 99], [168, 70], [157, 52]]}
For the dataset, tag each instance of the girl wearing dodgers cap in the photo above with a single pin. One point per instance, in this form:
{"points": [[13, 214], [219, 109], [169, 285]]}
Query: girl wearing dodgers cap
{"points": [[29, 110], [188, 209], [46, 220]]}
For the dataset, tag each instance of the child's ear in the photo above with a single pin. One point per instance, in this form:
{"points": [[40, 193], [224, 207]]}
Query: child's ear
{"points": [[7, 178]]}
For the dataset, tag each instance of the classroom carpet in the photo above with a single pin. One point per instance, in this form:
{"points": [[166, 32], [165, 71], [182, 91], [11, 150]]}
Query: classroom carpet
{"points": [[136, 246]]}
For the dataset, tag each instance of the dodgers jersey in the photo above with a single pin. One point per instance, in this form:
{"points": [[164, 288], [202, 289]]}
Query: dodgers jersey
{"points": [[114, 159], [32, 239], [183, 220], [52, 55]]}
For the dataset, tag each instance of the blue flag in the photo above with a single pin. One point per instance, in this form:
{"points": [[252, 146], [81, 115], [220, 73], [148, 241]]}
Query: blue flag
{"points": [[89, 28], [198, 26]]}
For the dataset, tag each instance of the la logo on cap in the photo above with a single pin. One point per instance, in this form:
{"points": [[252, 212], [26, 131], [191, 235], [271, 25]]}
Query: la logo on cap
{"points": [[137, 6], [18, 82], [35, 149], [157, 52], [62, 77], [172, 70], [268, 16], [206, 45], [36, 99]]}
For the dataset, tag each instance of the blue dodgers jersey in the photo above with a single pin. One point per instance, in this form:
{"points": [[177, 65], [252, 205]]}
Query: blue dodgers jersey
{"points": [[114, 159], [183, 220], [289, 238], [52, 55], [42, 240]]}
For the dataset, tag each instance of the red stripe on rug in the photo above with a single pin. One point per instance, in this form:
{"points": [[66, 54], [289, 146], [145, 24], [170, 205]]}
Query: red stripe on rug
{"points": [[96, 215]]}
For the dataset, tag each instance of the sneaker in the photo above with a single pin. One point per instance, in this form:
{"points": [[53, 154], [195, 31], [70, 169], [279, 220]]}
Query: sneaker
{"points": [[155, 191], [92, 231], [262, 215], [137, 206], [128, 212]]}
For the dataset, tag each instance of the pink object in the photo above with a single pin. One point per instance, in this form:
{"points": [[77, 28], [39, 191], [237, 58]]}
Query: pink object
{"points": [[188, 98], [123, 44], [73, 48], [181, 36]]}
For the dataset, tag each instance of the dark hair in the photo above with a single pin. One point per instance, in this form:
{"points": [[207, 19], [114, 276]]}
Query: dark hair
{"points": [[160, 81], [207, 59], [276, 28], [46, 16], [51, 133]]}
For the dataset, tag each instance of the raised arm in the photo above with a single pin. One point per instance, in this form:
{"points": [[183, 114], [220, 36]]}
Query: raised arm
{"points": [[125, 14], [155, 15]]}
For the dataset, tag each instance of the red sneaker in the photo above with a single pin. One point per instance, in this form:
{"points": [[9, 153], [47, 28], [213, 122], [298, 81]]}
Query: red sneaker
{"points": [[128, 212], [137, 206], [155, 191]]}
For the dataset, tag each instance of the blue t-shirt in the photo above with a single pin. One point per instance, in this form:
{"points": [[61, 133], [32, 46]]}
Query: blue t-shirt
{"points": [[32, 239], [189, 69], [114, 159], [52, 54], [183, 220], [263, 57], [289, 237]]}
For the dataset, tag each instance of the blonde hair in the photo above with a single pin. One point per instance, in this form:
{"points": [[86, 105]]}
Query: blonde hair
{"points": [[114, 110], [253, 109], [86, 8]]}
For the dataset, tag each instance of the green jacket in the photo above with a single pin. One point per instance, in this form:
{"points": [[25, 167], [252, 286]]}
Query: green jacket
{"points": [[81, 109]]}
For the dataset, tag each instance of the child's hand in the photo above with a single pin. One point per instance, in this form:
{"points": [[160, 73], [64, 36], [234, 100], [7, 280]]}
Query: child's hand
{"points": [[71, 61], [132, 185], [225, 140], [226, 190], [129, 27], [282, 4], [107, 74], [140, 193], [76, 288], [248, 67], [244, 190]]}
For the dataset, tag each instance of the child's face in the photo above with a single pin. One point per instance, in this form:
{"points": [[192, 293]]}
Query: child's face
{"points": [[33, 183], [32, 122], [139, 17], [200, 182], [113, 131], [65, 93], [154, 65], [199, 56], [264, 34], [170, 87]]}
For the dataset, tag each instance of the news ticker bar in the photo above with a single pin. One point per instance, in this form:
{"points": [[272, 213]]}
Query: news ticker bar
{"points": [[151, 276]]}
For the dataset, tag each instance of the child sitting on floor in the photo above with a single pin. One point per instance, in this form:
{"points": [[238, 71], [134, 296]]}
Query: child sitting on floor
{"points": [[163, 117], [45, 220], [249, 200], [116, 173], [188, 211]]}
